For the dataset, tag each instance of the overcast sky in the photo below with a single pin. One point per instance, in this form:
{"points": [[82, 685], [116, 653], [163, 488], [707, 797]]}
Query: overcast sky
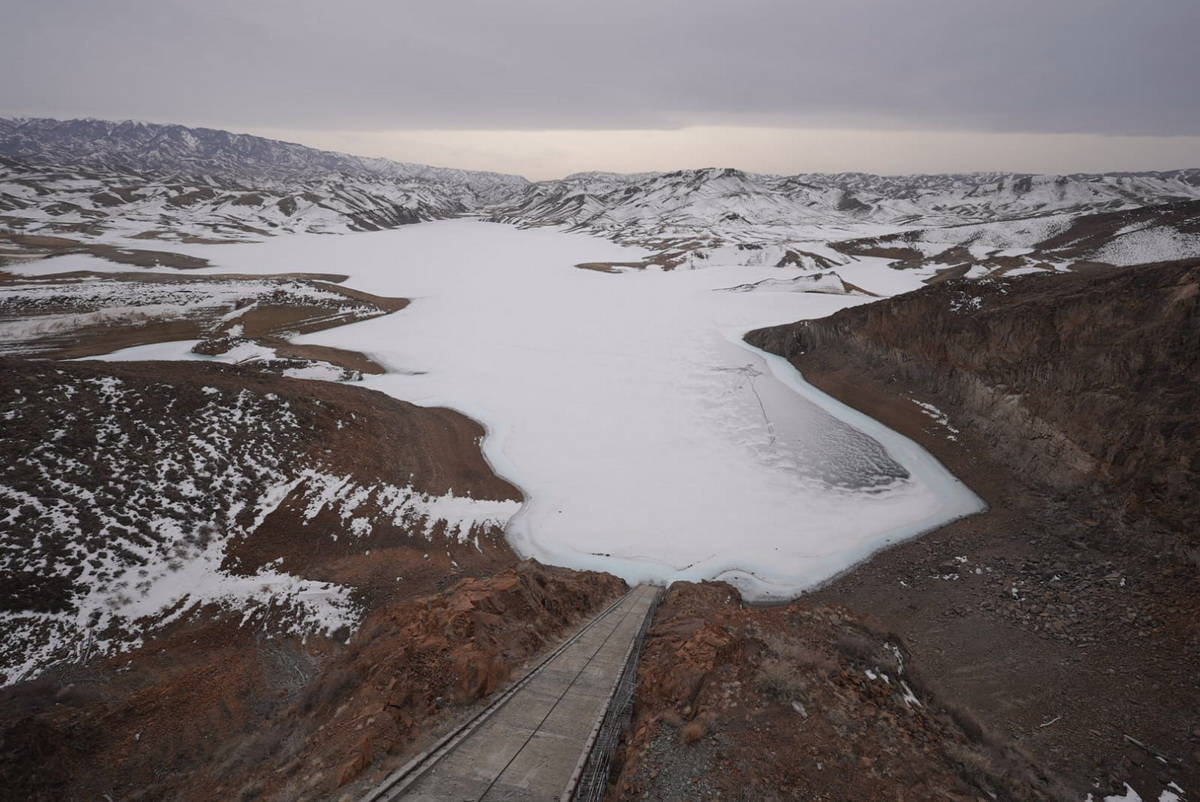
{"points": [[545, 87]]}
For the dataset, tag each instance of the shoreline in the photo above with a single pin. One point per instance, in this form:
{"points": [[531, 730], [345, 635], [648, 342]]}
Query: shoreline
{"points": [[1006, 614]]}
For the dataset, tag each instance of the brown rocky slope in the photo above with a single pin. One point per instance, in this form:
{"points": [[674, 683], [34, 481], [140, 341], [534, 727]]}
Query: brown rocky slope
{"points": [[121, 480], [1067, 616], [1079, 381], [800, 702]]}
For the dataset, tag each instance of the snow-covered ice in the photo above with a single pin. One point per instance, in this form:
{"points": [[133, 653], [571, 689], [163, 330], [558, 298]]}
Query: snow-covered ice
{"points": [[649, 440]]}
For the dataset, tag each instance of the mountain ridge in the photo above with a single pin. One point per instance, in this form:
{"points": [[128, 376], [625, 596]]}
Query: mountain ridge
{"points": [[379, 164], [148, 180], [81, 142]]}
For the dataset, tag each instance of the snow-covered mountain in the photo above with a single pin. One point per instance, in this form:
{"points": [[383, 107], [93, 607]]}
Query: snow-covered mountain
{"points": [[92, 177], [1127, 236], [728, 200], [732, 217], [96, 201], [206, 152]]}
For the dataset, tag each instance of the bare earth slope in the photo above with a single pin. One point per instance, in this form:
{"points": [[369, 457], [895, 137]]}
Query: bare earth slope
{"points": [[204, 565], [78, 314], [1065, 617], [135, 492], [800, 702], [1079, 380]]}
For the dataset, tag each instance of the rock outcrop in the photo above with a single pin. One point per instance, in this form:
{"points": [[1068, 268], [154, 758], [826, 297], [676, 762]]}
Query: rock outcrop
{"points": [[799, 702], [214, 711], [1084, 382]]}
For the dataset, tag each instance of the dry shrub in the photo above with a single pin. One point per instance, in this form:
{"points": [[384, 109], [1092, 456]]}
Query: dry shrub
{"points": [[328, 690], [780, 681], [791, 667], [672, 718], [697, 728], [857, 647], [251, 792]]}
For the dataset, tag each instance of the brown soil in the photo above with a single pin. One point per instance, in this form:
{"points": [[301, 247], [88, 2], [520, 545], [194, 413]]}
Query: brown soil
{"points": [[802, 258], [214, 707], [669, 254], [212, 710], [268, 324], [609, 267], [800, 702], [667, 260], [871, 247], [342, 357], [31, 246], [108, 462], [174, 278], [1067, 616]]}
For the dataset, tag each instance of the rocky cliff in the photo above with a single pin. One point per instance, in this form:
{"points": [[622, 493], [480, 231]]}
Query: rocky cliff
{"points": [[800, 702], [1085, 381]]}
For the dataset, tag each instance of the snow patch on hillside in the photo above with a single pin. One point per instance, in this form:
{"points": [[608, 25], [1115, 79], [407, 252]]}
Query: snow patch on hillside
{"points": [[144, 545], [458, 517]]}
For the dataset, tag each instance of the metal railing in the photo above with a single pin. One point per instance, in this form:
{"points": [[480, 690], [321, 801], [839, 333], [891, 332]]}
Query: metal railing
{"points": [[592, 782]]}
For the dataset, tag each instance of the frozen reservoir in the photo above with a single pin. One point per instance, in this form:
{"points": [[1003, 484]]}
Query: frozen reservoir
{"points": [[649, 440]]}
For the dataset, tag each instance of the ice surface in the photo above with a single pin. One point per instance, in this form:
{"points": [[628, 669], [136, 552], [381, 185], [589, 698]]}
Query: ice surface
{"points": [[648, 439]]}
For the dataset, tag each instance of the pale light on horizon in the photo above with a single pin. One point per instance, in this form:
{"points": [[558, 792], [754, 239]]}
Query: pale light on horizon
{"points": [[545, 89], [547, 154]]}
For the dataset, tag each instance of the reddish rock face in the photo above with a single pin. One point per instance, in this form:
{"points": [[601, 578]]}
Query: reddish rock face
{"points": [[798, 702], [419, 662], [238, 716]]}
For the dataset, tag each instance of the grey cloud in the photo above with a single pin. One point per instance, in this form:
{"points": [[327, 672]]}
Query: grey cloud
{"points": [[1099, 66]]}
